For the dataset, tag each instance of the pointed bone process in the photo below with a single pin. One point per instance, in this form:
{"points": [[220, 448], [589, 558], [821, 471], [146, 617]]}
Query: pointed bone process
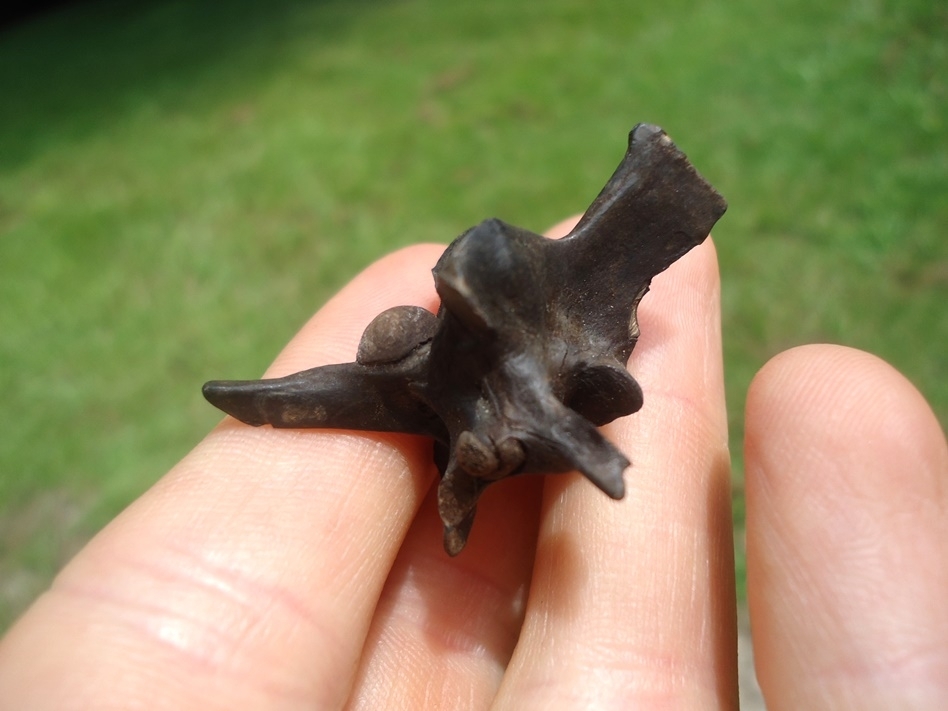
{"points": [[527, 353]]}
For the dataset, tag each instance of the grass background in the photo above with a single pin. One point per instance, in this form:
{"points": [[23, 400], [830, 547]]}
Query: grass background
{"points": [[181, 186]]}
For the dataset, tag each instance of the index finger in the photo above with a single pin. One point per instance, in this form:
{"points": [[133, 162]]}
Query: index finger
{"points": [[247, 576]]}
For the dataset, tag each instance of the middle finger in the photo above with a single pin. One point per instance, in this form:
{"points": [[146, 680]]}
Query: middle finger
{"points": [[632, 603]]}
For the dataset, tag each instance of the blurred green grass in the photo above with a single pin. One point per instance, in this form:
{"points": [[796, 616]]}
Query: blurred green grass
{"points": [[182, 185]]}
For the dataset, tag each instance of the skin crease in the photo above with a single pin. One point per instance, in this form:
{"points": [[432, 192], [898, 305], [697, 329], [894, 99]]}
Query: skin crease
{"points": [[303, 569]]}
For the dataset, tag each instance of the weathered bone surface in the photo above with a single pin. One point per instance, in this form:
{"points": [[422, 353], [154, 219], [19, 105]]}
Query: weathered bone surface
{"points": [[527, 354]]}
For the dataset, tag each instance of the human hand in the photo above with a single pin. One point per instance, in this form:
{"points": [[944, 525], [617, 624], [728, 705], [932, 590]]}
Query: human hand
{"points": [[286, 569]]}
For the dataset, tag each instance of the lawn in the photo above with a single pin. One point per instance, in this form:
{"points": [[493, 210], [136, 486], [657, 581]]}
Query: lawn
{"points": [[182, 186]]}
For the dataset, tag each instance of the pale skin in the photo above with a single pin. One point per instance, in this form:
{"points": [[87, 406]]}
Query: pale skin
{"points": [[303, 570]]}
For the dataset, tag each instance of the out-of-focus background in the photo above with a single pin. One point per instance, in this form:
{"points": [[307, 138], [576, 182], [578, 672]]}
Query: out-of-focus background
{"points": [[183, 183]]}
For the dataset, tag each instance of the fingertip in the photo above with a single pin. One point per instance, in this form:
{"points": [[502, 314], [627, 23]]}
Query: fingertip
{"points": [[563, 227], [847, 523], [696, 274], [688, 292], [679, 350], [332, 335], [831, 394]]}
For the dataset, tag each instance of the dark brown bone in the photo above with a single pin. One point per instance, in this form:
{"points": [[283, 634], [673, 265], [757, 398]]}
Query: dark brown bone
{"points": [[527, 354]]}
